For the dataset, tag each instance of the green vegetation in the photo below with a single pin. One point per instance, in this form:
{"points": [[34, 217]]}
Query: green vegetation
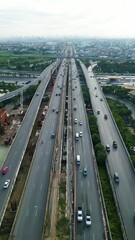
{"points": [[120, 92], [106, 66], [86, 61], [62, 227], [30, 61], [7, 87], [125, 123], [100, 154]]}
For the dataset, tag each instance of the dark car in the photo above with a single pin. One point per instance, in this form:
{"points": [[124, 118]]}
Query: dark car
{"points": [[105, 116], [114, 144]]}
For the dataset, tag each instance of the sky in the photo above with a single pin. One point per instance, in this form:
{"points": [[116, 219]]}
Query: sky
{"points": [[71, 18]]}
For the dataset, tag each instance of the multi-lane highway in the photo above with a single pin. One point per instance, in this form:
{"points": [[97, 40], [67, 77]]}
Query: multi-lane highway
{"points": [[19, 145], [117, 159], [87, 195], [30, 217], [32, 210]]}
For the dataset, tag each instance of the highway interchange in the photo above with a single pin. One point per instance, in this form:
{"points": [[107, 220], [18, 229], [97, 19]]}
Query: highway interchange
{"points": [[31, 213]]}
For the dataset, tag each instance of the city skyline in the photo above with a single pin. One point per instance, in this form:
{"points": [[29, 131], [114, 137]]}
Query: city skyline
{"points": [[56, 18]]}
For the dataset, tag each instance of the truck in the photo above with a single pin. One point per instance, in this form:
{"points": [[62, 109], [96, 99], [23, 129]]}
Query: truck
{"points": [[79, 214]]}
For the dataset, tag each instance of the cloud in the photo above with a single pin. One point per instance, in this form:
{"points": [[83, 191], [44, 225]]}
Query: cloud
{"points": [[51, 17]]}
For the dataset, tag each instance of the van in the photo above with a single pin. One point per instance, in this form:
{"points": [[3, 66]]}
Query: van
{"points": [[78, 159], [77, 136], [116, 178]]}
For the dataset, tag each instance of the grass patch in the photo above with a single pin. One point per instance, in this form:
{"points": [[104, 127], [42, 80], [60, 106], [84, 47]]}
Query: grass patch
{"points": [[62, 226]]}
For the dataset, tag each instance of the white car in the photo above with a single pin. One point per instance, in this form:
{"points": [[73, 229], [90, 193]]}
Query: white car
{"points": [[75, 121], [88, 219], [6, 184], [80, 122], [80, 134], [79, 215]]}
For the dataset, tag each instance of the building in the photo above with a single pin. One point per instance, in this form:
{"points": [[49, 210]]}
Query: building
{"points": [[3, 115]]}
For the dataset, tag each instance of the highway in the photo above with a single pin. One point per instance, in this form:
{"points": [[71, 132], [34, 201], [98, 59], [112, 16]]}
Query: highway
{"points": [[87, 195], [118, 159], [30, 216], [17, 150]]}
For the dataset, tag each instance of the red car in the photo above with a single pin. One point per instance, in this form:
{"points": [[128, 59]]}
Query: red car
{"points": [[4, 170]]}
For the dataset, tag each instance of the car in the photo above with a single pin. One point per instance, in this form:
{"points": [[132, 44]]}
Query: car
{"points": [[74, 98], [79, 214], [75, 108], [96, 95], [75, 121], [6, 184], [101, 99], [78, 159], [4, 170], [52, 135], [88, 218], [53, 109], [107, 148], [116, 177], [105, 116], [80, 134], [95, 88], [114, 144], [37, 94], [98, 111], [57, 111], [80, 123], [84, 171]]}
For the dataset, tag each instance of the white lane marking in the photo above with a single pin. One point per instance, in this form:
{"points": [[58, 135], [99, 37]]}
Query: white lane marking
{"points": [[81, 183], [34, 186], [27, 213], [36, 212], [90, 208], [93, 236], [44, 168], [41, 186], [88, 184], [38, 167]]}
